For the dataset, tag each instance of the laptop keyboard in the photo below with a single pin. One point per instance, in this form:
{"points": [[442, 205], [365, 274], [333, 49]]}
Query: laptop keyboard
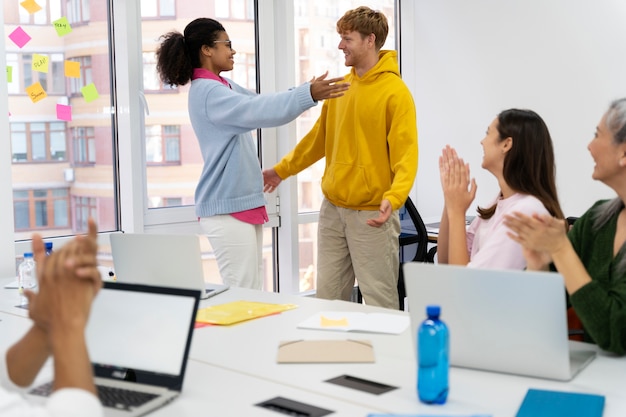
{"points": [[119, 398]]}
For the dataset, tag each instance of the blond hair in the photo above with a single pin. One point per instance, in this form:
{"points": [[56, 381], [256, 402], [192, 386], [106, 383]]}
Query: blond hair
{"points": [[365, 21]]}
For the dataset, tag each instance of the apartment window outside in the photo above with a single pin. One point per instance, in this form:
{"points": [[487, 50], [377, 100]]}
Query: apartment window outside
{"points": [[86, 75], [84, 145], [158, 8], [23, 75], [84, 207], [38, 142], [50, 11], [162, 144], [150, 81], [78, 11], [234, 9], [41, 209]]}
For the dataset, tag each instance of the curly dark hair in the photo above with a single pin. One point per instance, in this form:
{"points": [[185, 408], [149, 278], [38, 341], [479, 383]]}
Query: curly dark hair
{"points": [[178, 54]]}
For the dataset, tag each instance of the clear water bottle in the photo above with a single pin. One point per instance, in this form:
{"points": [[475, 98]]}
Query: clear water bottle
{"points": [[26, 276], [433, 346]]}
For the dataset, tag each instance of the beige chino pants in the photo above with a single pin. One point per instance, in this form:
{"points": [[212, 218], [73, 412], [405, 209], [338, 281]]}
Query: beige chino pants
{"points": [[348, 248]]}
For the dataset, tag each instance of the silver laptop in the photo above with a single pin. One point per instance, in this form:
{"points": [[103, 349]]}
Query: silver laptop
{"points": [[165, 260], [138, 339], [503, 321]]}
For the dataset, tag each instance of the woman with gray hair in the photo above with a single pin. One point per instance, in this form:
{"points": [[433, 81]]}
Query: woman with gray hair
{"points": [[592, 256]]}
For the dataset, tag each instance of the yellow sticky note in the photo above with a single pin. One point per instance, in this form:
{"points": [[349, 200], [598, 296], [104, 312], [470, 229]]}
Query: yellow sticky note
{"points": [[36, 92], [72, 69], [326, 322], [89, 92], [31, 6], [9, 74], [40, 63], [62, 26]]}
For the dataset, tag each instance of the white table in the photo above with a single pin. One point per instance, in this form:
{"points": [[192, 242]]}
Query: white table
{"points": [[232, 368]]}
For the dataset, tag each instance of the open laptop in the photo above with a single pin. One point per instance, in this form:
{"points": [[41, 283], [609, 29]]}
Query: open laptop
{"points": [[504, 321], [138, 339], [165, 260]]}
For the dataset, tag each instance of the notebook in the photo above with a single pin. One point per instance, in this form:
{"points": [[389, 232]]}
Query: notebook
{"points": [[162, 260], [504, 321], [138, 339], [546, 403]]}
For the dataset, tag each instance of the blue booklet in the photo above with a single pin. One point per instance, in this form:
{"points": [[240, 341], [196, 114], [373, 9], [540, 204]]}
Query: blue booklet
{"points": [[544, 403]]}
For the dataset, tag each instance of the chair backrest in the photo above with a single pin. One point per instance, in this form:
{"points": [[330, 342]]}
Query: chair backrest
{"points": [[420, 237]]}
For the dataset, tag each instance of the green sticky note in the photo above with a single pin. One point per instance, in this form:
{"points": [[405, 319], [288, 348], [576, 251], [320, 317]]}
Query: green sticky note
{"points": [[9, 74], [62, 26], [89, 92]]}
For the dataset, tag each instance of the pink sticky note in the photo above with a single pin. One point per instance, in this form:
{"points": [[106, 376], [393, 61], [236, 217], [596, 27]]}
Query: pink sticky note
{"points": [[64, 112], [19, 37]]}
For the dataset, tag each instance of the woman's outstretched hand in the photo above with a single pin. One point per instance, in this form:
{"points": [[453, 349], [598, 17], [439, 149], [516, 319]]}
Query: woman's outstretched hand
{"points": [[322, 89]]}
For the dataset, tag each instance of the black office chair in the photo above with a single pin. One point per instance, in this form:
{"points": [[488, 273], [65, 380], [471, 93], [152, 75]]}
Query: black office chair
{"points": [[422, 254], [408, 238]]}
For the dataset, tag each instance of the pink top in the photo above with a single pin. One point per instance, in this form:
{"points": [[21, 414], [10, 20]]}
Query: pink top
{"points": [[252, 216], [489, 245]]}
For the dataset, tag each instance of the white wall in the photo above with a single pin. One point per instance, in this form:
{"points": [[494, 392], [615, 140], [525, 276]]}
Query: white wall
{"points": [[564, 59]]}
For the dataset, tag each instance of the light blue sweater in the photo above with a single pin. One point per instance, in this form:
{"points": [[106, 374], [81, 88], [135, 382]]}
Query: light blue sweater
{"points": [[222, 119]]}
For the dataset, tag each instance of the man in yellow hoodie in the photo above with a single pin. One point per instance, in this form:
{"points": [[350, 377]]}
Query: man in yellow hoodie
{"points": [[369, 139]]}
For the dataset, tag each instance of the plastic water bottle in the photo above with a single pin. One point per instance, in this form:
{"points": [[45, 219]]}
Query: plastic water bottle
{"points": [[433, 345], [26, 276]]}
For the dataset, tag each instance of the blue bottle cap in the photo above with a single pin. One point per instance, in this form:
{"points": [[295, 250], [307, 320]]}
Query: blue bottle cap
{"points": [[28, 254], [48, 245], [433, 310]]}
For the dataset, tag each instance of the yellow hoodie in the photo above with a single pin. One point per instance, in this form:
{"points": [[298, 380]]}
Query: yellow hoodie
{"points": [[369, 139]]}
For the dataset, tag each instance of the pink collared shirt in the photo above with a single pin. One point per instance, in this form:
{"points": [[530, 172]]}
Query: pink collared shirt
{"points": [[252, 216]]}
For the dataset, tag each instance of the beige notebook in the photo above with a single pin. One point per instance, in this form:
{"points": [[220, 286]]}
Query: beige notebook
{"points": [[325, 351]]}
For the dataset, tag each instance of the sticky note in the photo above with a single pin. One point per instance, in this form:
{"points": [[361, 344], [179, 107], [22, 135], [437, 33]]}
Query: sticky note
{"points": [[31, 6], [40, 63], [36, 92], [72, 69], [64, 112], [62, 26], [89, 92], [326, 322], [9, 74], [19, 37]]}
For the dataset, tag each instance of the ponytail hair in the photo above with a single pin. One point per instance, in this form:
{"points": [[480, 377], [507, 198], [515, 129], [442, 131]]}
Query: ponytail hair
{"points": [[178, 54]]}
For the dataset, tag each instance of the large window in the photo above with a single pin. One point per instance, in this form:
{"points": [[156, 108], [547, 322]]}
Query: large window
{"points": [[60, 115]]}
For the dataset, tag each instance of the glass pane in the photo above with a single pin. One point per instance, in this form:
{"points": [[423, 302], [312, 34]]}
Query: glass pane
{"points": [[307, 254], [21, 214], [38, 141], [168, 7], [43, 154], [60, 213]]}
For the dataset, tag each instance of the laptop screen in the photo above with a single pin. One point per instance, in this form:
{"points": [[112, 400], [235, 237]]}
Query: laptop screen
{"points": [[141, 333]]}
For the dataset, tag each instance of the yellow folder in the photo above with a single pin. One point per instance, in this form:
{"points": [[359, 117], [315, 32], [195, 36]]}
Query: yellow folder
{"points": [[238, 311]]}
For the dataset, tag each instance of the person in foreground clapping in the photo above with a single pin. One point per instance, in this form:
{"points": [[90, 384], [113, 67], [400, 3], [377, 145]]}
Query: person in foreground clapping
{"points": [[68, 281]]}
